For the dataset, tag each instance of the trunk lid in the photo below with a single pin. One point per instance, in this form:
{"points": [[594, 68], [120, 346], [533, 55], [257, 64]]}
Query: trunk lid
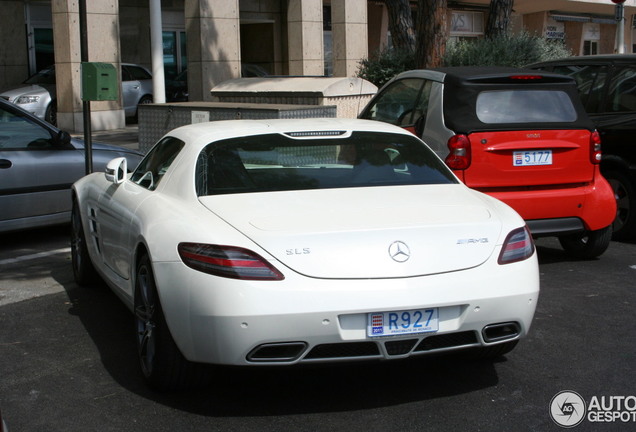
{"points": [[529, 158], [381, 232]]}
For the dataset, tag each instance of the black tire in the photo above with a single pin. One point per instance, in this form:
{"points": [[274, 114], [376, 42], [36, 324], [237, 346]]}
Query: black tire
{"points": [[83, 270], [624, 226], [51, 113], [143, 101], [162, 364], [587, 245], [495, 351]]}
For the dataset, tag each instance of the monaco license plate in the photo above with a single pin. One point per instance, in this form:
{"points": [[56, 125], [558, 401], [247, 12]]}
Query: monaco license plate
{"points": [[402, 322], [532, 158]]}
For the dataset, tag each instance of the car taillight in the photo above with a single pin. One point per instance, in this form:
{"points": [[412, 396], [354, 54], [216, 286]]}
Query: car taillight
{"points": [[526, 77], [517, 247], [459, 157], [595, 147], [227, 261]]}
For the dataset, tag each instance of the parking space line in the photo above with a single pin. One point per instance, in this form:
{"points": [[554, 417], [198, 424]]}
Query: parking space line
{"points": [[34, 256]]}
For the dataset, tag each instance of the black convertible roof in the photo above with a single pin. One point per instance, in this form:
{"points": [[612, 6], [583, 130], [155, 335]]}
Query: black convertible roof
{"points": [[462, 85]]}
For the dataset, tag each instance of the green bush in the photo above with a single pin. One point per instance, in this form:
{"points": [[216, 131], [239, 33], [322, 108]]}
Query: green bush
{"points": [[507, 50], [384, 65]]}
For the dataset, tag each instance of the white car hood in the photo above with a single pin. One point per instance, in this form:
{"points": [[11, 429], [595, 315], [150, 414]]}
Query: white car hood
{"points": [[352, 233]]}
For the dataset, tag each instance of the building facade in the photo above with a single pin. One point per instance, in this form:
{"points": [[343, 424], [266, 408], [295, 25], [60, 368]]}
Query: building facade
{"points": [[216, 40]]}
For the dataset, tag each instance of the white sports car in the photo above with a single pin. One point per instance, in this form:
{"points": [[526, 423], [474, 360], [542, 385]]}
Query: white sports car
{"points": [[294, 241]]}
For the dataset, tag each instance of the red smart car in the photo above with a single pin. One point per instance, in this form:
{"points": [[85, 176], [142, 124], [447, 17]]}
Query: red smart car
{"points": [[519, 135]]}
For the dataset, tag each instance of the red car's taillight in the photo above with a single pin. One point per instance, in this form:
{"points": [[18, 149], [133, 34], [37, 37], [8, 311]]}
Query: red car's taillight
{"points": [[460, 156], [526, 77], [517, 247], [227, 261], [595, 147]]}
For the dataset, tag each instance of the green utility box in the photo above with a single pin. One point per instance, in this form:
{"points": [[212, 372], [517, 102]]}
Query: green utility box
{"points": [[99, 82]]}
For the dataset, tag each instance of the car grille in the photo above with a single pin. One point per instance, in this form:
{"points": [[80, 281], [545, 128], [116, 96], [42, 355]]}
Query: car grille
{"points": [[285, 352], [400, 347], [341, 350], [450, 340]]}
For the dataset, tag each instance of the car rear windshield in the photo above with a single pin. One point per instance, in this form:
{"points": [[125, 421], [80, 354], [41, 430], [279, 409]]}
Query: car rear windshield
{"points": [[525, 106], [277, 162]]}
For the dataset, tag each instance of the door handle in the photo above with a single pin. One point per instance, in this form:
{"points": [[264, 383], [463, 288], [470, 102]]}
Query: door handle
{"points": [[5, 163]]}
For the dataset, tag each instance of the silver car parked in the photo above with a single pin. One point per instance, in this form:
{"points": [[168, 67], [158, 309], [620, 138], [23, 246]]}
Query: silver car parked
{"points": [[38, 164], [39, 98]]}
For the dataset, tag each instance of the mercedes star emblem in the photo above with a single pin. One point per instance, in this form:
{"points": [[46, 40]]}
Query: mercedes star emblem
{"points": [[399, 251]]}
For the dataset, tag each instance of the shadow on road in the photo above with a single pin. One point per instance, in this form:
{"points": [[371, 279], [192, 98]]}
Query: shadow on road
{"points": [[19, 252], [37, 238], [549, 251], [264, 391], [259, 391]]}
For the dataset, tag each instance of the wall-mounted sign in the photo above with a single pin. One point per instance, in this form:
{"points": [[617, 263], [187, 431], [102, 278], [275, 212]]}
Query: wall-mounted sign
{"points": [[591, 31], [555, 30], [200, 117]]}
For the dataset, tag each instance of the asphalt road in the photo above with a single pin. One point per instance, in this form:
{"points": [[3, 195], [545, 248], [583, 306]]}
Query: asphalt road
{"points": [[67, 362]]}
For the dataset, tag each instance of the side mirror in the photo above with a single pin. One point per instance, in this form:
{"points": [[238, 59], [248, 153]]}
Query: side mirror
{"points": [[117, 170], [63, 138]]}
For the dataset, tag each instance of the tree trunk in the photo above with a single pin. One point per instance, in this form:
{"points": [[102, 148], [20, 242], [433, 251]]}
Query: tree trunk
{"points": [[432, 33], [401, 24], [498, 18]]}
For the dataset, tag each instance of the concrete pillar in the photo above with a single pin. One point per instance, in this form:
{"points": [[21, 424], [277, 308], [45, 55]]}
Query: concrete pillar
{"points": [[103, 46], [305, 37], [350, 35], [214, 45]]}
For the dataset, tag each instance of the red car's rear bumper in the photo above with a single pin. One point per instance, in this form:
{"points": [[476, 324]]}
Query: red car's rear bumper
{"points": [[594, 203]]}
